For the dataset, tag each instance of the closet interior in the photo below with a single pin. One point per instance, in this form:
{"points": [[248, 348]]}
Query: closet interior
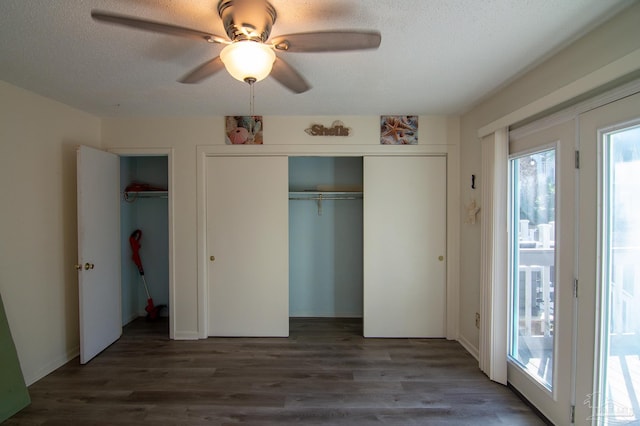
{"points": [[325, 237], [144, 207]]}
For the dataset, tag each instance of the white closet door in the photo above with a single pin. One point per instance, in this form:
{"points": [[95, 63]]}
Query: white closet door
{"points": [[404, 246], [248, 246]]}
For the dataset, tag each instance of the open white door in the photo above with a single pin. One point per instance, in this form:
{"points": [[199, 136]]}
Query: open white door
{"points": [[98, 250]]}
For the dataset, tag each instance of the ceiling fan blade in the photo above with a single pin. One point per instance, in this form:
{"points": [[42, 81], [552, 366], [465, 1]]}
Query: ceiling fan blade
{"points": [[289, 77], [203, 71], [156, 27], [327, 41]]}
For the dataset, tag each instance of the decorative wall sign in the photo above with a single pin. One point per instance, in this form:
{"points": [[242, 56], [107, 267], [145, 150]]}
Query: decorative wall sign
{"points": [[337, 129], [399, 129], [243, 130]]}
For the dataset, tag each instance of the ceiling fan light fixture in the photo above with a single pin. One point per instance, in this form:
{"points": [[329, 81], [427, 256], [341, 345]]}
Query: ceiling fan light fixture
{"points": [[248, 60]]}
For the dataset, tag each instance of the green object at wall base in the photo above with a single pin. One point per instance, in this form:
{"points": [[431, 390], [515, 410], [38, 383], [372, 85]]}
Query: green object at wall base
{"points": [[13, 391]]}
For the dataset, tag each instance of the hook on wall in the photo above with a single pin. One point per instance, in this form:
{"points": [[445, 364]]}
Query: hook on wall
{"points": [[473, 181]]}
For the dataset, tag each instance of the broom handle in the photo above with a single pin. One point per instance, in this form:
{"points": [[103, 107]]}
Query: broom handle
{"points": [[145, 287]]}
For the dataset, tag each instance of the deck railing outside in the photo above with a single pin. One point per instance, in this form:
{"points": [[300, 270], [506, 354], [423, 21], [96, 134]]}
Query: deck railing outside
{"points": [[537, 295]]}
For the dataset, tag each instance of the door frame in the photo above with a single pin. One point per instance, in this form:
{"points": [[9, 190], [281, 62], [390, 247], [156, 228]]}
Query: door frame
{"points": [[451, 152], [168, 152]]}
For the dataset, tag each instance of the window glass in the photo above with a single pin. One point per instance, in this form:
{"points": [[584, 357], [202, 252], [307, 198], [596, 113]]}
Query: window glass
{"points": [[533, 218]]}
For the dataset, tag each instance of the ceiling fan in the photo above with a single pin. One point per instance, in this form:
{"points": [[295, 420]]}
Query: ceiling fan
{"points": [[249, 54]]}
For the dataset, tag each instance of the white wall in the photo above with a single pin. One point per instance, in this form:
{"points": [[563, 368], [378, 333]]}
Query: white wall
{"points": [[38, 139], [38, 188], [590, 54], [185, 134]]}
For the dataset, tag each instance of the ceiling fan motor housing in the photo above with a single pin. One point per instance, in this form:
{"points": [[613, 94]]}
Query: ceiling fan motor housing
{"points": [[247, 19]]}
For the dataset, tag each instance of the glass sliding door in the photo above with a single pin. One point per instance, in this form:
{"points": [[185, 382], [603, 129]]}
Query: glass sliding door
{"points": [[608, 339], [541, 267], [533, 266], [574, 283], [619, 357]]}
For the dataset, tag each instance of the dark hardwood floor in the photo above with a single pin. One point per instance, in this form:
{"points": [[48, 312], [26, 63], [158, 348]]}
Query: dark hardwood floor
{"points": [[325, 373]]}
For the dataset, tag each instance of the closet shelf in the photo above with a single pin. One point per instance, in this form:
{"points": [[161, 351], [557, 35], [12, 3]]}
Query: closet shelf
{"points": [[134, 195]]}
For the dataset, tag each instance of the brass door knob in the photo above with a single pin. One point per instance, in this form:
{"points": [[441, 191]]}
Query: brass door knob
{"points": [[440, 258], [212, 258], [88, 266], [77, 267]]}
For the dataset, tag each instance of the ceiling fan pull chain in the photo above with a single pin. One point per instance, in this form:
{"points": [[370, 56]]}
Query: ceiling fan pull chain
{"points": [[251, 100]]}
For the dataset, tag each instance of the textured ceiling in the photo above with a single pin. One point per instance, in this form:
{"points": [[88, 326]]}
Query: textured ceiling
{"points": [[436, 56]]}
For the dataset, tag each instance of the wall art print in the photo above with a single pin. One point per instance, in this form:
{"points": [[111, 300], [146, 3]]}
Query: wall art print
{"points": [[398, 129], [243, 130]]}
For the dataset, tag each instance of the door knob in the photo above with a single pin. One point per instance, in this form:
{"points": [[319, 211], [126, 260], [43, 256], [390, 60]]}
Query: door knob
{"points": [[212, 258], [88, 266], [77, 267], [440, 258]]}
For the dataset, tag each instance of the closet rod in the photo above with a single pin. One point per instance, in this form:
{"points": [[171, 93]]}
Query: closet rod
{"points": [[328, 195], [321, 198]]}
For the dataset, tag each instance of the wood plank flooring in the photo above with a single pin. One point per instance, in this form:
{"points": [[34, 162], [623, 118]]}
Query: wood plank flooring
{"points": [[325, 373]]}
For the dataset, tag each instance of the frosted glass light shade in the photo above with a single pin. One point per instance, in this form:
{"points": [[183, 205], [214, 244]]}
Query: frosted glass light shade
{"points": [[248, 60]]}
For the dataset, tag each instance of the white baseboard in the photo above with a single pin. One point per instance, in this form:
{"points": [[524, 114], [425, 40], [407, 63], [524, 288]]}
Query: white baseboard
{"points": [[131, 318], [186, 335], [51, 366], [475, 352]]}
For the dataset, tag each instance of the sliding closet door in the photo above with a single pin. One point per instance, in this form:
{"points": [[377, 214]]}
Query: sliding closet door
{"points": [[404, 246], [248, 246]]}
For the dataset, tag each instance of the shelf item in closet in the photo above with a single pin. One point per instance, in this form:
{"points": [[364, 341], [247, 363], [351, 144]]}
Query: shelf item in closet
{"points": [[131, 196], [320, 196]]}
